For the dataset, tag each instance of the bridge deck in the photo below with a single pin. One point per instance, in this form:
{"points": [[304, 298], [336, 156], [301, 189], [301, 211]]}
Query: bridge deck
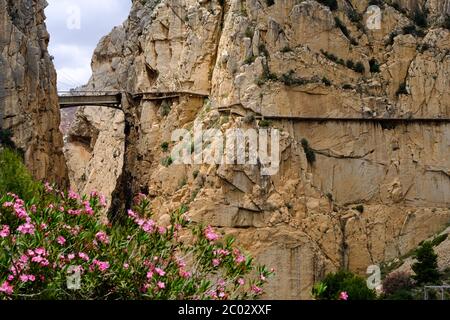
{"points": [[108, 100]]}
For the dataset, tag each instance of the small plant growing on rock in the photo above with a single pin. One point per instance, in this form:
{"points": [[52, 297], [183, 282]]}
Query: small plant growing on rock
{"points": [[167, 161], [310, 154], [374, 66], [264, 123], [359, 67], [165, 108], [332, 4], [326, 82], [165, 146], [402, 89], [195, 174]]}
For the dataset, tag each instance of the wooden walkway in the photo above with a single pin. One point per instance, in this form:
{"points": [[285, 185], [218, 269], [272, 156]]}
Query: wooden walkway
{"points": [[113, 99], [238, 110]]}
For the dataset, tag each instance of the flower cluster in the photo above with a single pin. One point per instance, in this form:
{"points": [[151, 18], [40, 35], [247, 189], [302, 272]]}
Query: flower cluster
{"points": [[45, 241]]}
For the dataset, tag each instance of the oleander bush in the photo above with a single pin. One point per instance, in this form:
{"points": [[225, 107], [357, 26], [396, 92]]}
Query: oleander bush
{"points": [[48, 241], [343, 285]]}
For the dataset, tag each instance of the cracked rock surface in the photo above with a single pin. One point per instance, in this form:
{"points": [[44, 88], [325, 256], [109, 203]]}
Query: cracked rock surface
{"points": [[28, 97], [376, 188]]}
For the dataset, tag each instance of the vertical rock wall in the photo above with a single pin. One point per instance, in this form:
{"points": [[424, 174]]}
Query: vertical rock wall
{"points": [[28, 97]]}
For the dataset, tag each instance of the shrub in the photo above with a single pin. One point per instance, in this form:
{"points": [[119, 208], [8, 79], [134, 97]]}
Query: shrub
{"points": [[350, 64], [402, 89], [359, 67], [165, 108], [6, 139], [250, 59], [270, 2], [446, 23], [412, 29], [420, 18], [165, 146], [344, 281], [249, 32], [289, 79], [195, 174], [359, 208], [439, 239], [397, 281], [354, 16], [332, 4], [326, 82], [286, 49], [265, 123], [374, 66], [167, 161], [14, 176], [426, 268], [48, 241], [263, 50], [310, 154], [347, 86], [342, 26]]}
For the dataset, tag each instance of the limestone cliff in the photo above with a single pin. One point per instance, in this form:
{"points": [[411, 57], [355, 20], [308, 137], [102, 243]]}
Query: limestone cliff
{"points": [[28, 97], [373, 104]]}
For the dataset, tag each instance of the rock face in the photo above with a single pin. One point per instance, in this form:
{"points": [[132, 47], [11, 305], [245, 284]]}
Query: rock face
{"points": [[28, 97], [377, 123]]}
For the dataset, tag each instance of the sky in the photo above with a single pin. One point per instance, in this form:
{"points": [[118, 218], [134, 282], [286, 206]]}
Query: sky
{"points": [[76, 27]]}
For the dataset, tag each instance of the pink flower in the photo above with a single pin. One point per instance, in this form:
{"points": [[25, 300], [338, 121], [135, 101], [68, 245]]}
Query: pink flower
{"points": [[262, 277], [73, 195], [48, 187], [88, 208], [74, 212], [126, 266], [185, 274], [26, 228], [160, 271], [102, 265], [83, 256], [71, 256], [102, 237], [61, 240], [8, 205], [132, 214], [161, 285], [6, 288], [343, 295], [41, 252], [257, 290], [4, 232], [161, 230], [210, 234], [25, 278], [216, 262], [103, 201], [149, 275], [240, 259], [148, 226], [241, 281]]}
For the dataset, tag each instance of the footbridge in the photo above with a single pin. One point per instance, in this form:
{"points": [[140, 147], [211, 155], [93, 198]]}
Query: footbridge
{"points": [[113, 99]]}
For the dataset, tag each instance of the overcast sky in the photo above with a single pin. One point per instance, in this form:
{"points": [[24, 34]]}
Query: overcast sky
{"points": [[75, 28]]}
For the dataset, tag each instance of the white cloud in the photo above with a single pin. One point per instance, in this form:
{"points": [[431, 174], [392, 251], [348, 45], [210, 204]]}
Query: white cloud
{"points": [[73, 47]]}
